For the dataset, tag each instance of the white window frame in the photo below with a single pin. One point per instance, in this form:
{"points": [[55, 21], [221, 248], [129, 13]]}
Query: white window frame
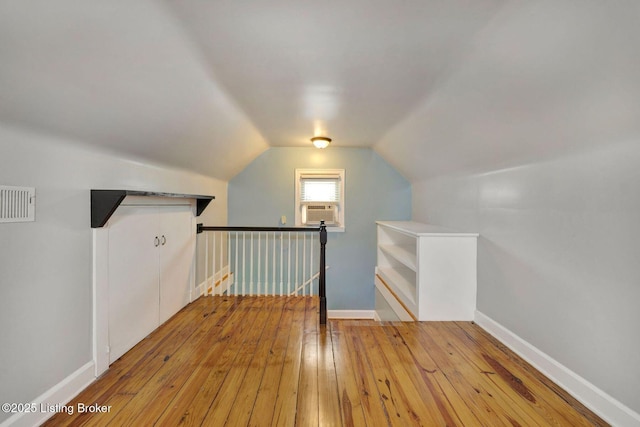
{"points": [[302, 173]]}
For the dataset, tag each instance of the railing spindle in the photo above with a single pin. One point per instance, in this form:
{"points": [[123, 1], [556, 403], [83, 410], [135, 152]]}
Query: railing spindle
{"points": [[292, 281], [266, 263], [244, 264], [297, 257], [281, 261], [273, 284], [213, 265], [289, 264], [251, 264], [304, 263], [206, 264], [230, 276], [221, 259], [310, 289]]}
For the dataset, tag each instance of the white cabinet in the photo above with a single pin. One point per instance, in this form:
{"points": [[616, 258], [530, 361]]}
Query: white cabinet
{"points": [[150, 270], [177, 260], [425, 272]]}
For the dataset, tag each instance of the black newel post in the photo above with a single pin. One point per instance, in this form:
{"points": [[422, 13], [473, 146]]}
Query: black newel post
{"points": [[322, 281]]}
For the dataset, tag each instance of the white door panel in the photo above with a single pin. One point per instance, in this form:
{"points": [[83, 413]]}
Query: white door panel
{"points": [[133, 277], [177, 256]]}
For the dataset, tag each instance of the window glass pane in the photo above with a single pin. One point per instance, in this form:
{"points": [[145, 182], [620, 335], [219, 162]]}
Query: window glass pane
{"points": [[320, 190]]}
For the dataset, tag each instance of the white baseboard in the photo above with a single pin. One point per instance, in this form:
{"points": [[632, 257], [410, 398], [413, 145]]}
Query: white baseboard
{"points": [[605, 406], [351, 314], [60, 394]]}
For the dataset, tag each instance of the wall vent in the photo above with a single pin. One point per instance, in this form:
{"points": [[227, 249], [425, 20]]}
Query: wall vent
{"points": [[17, 204]]}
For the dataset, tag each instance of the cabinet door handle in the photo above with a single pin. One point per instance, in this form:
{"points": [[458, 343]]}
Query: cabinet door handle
{"points": [[164, 240], [156, 241]]}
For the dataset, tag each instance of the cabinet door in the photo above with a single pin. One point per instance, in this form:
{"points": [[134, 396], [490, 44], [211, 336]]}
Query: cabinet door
{"points": [[133, 277], [177, 255]]}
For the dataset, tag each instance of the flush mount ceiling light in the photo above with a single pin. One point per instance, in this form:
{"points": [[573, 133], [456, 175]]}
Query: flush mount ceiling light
{"points": [[320, 141]]}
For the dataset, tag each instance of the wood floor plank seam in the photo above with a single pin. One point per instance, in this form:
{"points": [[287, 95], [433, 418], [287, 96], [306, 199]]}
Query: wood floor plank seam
{"points": [[347, 388], [476, 386], [172, 376], [187, 396], [552, 395], [257, 364], [263, 407], [145, 362], [221, 404], [440, 388], [284, 411], [372, 410], [511, 384], [266, 361], [474, 332]]}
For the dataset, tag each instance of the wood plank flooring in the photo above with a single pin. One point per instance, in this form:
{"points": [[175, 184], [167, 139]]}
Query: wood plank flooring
{"points": [[265, 361]]}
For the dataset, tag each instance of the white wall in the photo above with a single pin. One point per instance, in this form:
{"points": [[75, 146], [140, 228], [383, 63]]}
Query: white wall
{"points": [[558, 256], [533, 141], [46, 265]]}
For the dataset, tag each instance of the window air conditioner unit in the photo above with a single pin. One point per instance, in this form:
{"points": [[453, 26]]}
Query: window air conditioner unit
{"points": [[313, 213]]}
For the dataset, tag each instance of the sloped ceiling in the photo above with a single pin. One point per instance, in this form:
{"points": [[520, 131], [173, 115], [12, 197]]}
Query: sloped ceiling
{"points": [[434, 86], [545, 79]]}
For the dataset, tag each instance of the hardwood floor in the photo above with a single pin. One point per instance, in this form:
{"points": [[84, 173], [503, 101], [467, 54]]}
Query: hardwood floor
{"points": [[265, 361]]}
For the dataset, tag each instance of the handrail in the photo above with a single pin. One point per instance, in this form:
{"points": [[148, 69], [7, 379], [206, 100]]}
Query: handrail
{"points": [[202, 228], [322, 230]]}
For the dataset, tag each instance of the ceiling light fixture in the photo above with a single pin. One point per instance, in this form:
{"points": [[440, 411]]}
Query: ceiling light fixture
{"points": [[321, 141]]}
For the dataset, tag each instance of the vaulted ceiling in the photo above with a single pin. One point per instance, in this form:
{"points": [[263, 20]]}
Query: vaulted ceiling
{"points": [[434, 86]]}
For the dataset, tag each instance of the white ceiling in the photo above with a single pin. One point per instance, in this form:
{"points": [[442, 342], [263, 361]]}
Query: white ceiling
{"points": [[433, 86]]}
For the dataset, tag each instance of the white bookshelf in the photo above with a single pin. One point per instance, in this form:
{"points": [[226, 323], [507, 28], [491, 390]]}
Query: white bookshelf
{"points": [[425, 272]]}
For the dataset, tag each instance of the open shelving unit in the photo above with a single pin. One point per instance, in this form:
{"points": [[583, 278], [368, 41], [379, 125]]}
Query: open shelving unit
{"points": [[424, 272]]}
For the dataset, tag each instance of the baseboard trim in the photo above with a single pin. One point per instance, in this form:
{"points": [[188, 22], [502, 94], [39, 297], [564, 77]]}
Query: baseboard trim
{"points": [[605, 406], [60, 394], [351, 314]]}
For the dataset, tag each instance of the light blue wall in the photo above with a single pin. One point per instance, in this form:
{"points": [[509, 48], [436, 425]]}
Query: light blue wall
{"points": [[264, 191]]}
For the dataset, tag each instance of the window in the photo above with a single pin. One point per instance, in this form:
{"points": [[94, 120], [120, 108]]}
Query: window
{"points": [[320, 197]]}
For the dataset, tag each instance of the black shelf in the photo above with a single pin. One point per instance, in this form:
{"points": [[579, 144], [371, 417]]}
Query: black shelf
{"points": [[105, 202]]}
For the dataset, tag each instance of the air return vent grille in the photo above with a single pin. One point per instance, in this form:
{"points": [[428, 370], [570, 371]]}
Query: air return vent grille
{"points": [[17, 204]]}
